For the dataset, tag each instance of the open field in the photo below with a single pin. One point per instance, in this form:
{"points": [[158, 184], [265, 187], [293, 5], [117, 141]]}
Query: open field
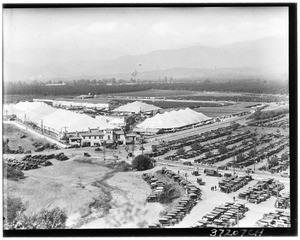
{"points": [[156, 93], [67, 185], [86, 191]]}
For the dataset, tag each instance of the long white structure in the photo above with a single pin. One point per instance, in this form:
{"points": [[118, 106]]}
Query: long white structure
{"points": [[136, 107], [173, 119], [58, 120]]}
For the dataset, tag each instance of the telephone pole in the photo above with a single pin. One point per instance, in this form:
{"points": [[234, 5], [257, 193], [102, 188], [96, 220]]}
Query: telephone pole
{"points": [[104, 145], [42, 126], [254, 153], [234, 162]]}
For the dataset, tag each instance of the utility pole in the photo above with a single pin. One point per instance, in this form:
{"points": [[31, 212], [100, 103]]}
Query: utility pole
{"points": [[237, 217], [65, 130], [104, 145], [186, 181], [142, 141], [42, 126], [133, 146], [234, 162]]}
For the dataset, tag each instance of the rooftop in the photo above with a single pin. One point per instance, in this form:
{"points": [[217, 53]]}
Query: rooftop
{"points": [[119, 132], [92, 134]]}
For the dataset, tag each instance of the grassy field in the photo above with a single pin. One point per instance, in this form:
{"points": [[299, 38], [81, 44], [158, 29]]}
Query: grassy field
{"points": [[226, 110], [217, 111], [156, 93], [67, 185]]}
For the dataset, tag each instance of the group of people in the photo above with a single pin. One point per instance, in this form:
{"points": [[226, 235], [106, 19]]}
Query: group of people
{"points": [[213, 188]]}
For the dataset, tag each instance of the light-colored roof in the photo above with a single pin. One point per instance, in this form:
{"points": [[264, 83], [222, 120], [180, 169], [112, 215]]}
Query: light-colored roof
{"points": [[57, 119], [119, 132], [92, 134], [173, 119], [136, 107]]}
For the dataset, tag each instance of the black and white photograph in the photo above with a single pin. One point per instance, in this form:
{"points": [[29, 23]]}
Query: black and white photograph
{"points": [[149, 117]]}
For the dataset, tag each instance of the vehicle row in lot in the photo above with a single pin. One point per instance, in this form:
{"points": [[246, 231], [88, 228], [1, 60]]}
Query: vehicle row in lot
{"points": [[185, 204], [262, 191], [225, 215], [234, 183], [163, 147], [278, 218]]}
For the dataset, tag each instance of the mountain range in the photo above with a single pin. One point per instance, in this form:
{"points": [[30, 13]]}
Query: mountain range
{"points": [[263, 58]]}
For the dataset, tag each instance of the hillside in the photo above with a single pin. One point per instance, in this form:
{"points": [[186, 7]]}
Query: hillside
{"points": [[264, 57]]}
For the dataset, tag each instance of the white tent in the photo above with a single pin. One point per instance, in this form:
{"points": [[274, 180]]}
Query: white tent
{"points": [[173, 119], [57, 119], [136, 107]]}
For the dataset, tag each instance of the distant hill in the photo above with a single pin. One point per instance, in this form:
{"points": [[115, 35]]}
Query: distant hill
{"points": [[267, 57]]}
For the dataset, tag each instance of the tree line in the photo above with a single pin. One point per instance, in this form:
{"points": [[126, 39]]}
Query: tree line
{"points": [[86, 87]]}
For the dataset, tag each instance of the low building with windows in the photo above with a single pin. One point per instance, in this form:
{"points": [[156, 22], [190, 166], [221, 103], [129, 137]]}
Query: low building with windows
{"points": [[93, 137], [120, 137]]}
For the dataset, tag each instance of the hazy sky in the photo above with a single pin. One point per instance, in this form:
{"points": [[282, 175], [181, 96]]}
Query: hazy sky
{"points": [[139, 30]]}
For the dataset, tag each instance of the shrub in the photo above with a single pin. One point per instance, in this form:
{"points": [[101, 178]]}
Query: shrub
{"points": [[240, 157], [222, 149], [208, 154], [196, 146], [51, 219], [12, 172], [284, 156], [14, 217], [154, 148], [13, 207], [169, 193], [180, 151], [123, 167], [252, 153], [274, 161], [142, 162]]}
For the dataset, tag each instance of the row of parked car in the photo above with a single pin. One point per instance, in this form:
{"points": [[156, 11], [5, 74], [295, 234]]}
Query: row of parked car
{"points": [[262, 191], [280, 124], [264, 121], [225, 215], [284, 201], [185, 204], [164, 147], [234, 183], [209, 147], [261, 153], [156, 186], [30, 162], [279, 218]]}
